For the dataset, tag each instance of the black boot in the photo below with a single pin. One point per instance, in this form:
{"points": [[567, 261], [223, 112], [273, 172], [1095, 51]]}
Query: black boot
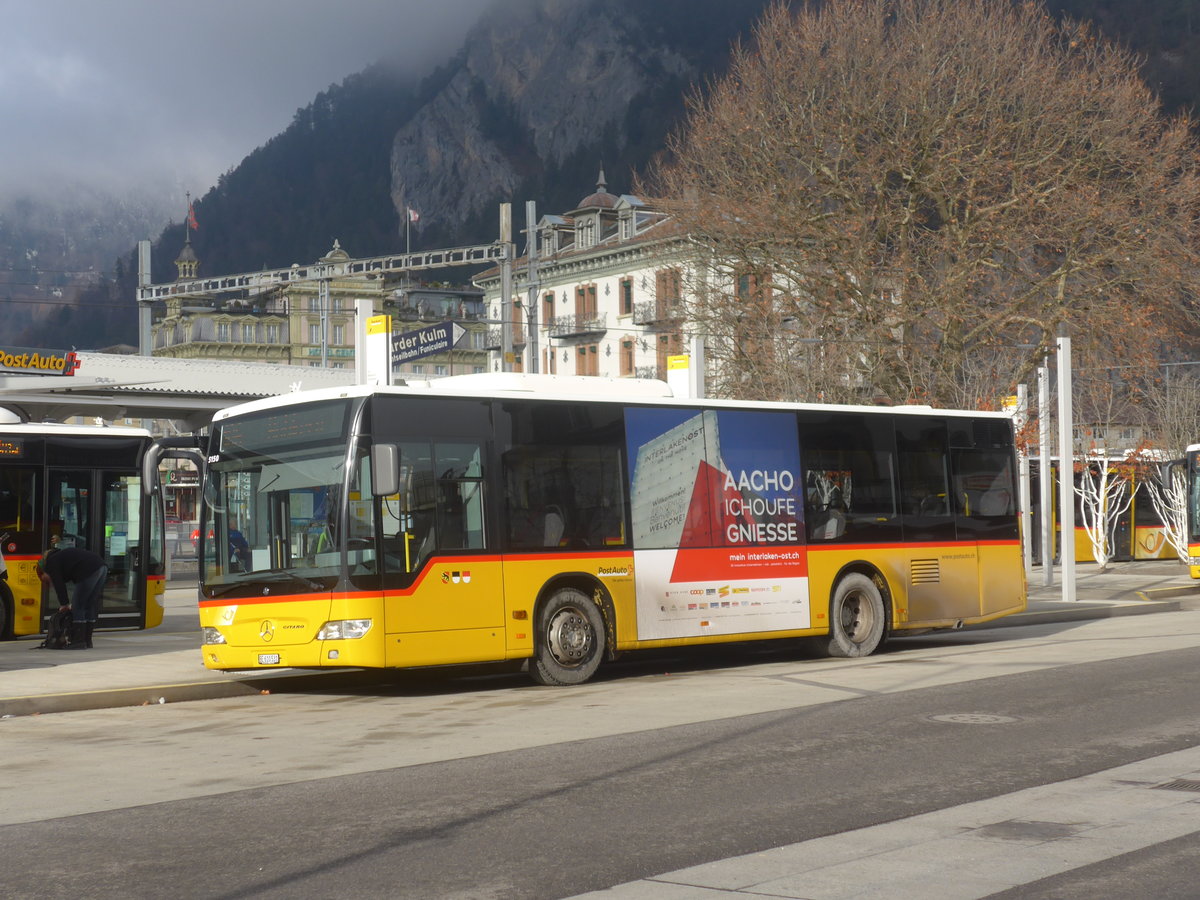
{"points": [[87, 633], [78, 636]]}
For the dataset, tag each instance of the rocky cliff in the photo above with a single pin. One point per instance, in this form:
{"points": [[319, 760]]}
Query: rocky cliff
{"points": [[553, 88]]}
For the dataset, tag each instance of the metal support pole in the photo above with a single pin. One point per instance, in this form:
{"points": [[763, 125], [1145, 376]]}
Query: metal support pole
{"points": [[363, 310], [1066, 466], [323, 299], [1020, 417], [1045, 481], [531, 304], [506, 280], [696, 368], [145, 340]]}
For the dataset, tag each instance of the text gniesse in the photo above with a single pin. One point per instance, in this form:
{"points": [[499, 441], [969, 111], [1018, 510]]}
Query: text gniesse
{"points": [[780, 526]]}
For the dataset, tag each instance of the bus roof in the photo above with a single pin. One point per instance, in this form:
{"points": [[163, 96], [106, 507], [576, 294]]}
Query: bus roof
{"points": [[49, 429], [566, 388]]}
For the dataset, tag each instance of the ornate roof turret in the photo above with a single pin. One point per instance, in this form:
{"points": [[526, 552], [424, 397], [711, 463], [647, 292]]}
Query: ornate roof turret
{"points": [[187, 263], [336, 254], [601, 198]]}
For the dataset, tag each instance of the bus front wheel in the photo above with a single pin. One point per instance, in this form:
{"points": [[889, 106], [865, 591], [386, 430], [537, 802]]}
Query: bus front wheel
{"points": [[856, 617], [570, 639]]}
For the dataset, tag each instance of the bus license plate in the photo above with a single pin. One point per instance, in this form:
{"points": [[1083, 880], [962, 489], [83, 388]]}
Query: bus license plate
{"points": [[268, 659]]}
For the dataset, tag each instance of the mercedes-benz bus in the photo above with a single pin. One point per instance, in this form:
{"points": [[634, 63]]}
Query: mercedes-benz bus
{"points": [[564, 520]]}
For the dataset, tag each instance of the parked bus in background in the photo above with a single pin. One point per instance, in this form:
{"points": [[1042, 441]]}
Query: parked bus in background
{"points": [[1138, 533], [563, 520], [1191, 464], [78, 486]]}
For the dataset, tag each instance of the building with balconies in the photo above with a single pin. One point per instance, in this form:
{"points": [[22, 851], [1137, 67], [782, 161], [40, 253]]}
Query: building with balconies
{"points": [[608, 292]]}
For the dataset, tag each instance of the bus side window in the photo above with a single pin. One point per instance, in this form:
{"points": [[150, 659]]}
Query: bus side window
{"points": [[16, 499], [984, 492], [850, 477], [409, 524], [560, 496], [460, 496]]}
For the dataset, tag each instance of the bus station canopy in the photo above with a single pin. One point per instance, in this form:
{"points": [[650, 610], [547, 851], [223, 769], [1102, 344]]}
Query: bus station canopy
{"points": [[116, 386]]}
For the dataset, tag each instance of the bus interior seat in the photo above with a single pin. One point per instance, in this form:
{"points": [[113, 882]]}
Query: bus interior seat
{"points": [[995, 502], [828, 525], [553, 526]]}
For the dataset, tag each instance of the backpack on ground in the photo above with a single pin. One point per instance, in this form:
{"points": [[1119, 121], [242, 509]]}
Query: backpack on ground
{"points": [[58, 631]]}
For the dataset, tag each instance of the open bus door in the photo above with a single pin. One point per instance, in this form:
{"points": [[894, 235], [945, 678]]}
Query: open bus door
{"points": [[152, 565], [102, 510]]}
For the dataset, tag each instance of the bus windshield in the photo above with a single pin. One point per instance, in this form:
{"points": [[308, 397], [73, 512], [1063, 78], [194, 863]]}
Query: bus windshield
{"points": [[274, 517], [1193, 496]]}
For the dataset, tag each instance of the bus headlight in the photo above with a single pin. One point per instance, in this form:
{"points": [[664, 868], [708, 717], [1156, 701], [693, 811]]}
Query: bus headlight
{"points": [[344, 630], [210, 635]]}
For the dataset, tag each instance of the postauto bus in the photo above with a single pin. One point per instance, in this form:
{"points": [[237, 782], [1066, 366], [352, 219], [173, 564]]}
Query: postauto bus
{"points": [[564, 520]]}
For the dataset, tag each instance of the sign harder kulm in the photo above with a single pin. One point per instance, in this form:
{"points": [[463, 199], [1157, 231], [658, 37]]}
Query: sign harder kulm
{"points": [[438, 338]]}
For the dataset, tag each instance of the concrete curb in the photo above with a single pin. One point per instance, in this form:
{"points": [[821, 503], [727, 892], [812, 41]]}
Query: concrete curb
{"points": [[119, 697], [179, 692], [1155, 594], [1082, 610]]}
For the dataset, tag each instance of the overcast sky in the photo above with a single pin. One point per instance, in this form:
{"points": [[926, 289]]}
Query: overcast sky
{"points": [[112, 92]]}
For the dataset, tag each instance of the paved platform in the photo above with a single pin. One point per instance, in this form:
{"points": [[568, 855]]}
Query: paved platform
{"points": [[163, 665]]}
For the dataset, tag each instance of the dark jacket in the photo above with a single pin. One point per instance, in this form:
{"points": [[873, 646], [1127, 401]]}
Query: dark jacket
{"points": [[69, 564]]}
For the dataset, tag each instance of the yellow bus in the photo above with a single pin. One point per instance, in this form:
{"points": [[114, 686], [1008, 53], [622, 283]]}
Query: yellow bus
{"points": [[1191, 468], [1138, 533], [564, 520], [81, 486]]}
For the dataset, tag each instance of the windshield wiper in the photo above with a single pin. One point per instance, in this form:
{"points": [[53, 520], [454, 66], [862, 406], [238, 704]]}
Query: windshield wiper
{"points": [[273, 576], [277, 575]]}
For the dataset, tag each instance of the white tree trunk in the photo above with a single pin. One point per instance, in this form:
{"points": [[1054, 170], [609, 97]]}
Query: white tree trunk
{"points": [[1170, 502], [1104, 496]]}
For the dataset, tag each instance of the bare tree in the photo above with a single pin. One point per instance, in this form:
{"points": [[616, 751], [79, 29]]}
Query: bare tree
{"points": [[1172, 414], [1168, 496], [1172, 404], [905, 198], [1104, 488]]}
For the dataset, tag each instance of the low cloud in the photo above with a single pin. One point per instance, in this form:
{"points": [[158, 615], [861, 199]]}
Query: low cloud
{"points": [[127, 93]]}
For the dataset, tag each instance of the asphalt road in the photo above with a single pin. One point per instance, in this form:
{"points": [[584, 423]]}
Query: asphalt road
{"points": [[490, 788]]}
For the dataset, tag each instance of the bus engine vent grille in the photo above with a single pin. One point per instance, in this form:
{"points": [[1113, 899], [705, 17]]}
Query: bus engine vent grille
{"points": [[925, 571]]}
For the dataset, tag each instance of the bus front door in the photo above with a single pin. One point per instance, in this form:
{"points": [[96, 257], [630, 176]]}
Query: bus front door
{"points": [[99, 510], [453, 607]]}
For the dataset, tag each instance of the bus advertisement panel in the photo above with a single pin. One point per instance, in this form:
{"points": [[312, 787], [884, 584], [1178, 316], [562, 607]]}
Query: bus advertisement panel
{"points": [[717, 520]]}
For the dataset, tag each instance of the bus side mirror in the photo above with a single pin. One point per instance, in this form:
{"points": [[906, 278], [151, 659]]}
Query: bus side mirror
{"points": [[182, 447], [385, 470]]}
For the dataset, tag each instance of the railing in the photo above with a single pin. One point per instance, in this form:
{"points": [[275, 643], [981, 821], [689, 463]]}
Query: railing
{"points": [[654, 312], [495, 338], [325, 270], [420, 313], [576, 326], [649, 372]]}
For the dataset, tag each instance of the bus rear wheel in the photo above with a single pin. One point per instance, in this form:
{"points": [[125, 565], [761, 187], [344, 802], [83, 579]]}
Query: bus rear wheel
{"points": [[569, 643], [856, 617]]}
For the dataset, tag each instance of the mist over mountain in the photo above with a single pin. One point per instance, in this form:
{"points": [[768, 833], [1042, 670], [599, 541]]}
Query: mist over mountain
{"points": [[541, 94]]}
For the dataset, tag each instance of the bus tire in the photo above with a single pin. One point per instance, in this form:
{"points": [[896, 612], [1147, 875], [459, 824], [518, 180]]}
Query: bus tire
{"points": [[569, 642], [856, 617]]}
